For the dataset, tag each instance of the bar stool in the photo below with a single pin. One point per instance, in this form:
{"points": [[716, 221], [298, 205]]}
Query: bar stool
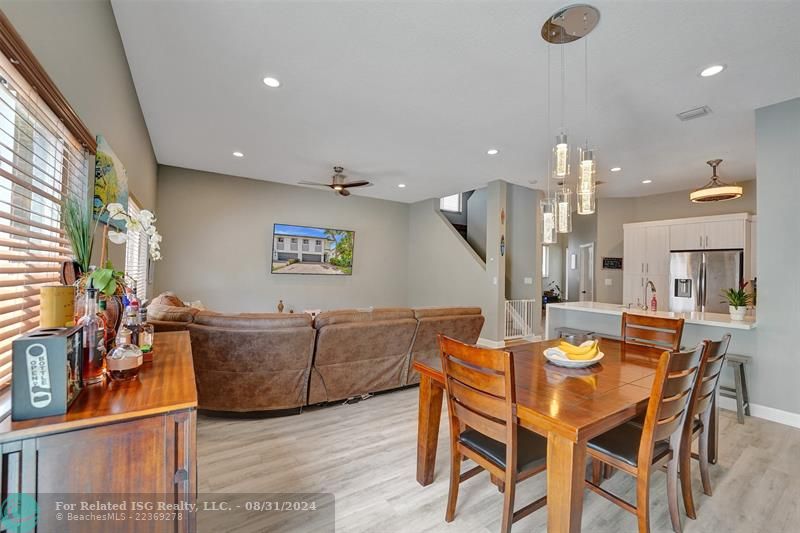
{"points": [[739, 389]]}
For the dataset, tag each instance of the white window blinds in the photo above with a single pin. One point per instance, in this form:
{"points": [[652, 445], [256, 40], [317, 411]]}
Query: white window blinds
{"points": [[450, 203], [136, 254], [40, 164]]}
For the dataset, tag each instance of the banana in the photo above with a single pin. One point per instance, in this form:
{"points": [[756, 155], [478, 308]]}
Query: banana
{"points": [[591, 354], [579, 353], [576, 350]]}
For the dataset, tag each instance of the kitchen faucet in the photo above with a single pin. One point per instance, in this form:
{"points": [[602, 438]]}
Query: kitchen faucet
{"points": [[647, 285]]}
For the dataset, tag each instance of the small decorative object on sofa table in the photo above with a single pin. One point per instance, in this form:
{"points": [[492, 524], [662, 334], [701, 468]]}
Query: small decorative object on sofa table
{"points": [[738, 301], [47, 372], [280, 306]]}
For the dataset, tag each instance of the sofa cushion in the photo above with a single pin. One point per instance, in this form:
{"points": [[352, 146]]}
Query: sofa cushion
{"points": [[168, 299], [253, 321], [462, 327], [425, 312], [170, 313], [344, 316]]}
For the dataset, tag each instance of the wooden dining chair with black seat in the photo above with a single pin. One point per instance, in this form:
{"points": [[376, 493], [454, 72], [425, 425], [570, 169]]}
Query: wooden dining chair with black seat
{"points": [[656, 333], [481, 404], [640, 449], [698, 423]]}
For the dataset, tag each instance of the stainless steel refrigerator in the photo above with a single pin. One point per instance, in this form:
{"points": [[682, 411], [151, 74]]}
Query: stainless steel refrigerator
{"points": [[698, 277]]}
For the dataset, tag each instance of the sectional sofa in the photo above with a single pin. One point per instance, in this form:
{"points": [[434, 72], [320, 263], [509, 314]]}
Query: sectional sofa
{"points": [[265, 362]]}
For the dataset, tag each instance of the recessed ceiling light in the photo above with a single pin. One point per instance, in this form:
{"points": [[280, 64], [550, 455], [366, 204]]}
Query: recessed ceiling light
{"points": [[401, 185], [713, 70], [272, 82], [647, 181], [616, 169], [238, 154], [493, 151]]}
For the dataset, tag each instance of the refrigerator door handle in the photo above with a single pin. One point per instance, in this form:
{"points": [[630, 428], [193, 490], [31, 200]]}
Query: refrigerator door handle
{"points": [[702, 287]]}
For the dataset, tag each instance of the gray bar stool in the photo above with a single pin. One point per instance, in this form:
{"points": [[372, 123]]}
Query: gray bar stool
{"points": [[739, 389]]}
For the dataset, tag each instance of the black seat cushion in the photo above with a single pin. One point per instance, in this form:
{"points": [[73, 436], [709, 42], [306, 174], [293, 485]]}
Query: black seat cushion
{"points": [[622, 443], [531, 448]]}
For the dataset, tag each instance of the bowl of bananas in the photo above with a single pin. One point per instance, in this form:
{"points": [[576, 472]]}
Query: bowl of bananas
{"points": [[571, 356]]}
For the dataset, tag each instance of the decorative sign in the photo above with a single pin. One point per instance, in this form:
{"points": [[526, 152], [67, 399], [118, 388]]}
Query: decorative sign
{"points": [[612, 263]]}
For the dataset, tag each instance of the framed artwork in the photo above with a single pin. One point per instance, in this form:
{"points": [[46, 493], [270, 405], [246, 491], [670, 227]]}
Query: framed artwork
{"points": [[110, 183]]}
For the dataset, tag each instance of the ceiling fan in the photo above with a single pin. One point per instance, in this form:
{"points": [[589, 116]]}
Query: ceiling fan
{"points": [[339, 182]]}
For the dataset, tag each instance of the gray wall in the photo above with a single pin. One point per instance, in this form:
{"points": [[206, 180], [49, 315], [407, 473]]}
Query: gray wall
{"points": [[443, 269], [522, 255], [218, 239], [777, 366], [476, 222]]}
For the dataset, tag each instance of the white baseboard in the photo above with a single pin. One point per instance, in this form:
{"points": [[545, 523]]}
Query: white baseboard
{"points": [[488, 343], [767, 413]]}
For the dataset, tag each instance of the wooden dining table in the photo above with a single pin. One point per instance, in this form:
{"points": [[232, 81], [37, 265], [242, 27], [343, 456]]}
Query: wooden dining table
{"points": [[568, 406]]}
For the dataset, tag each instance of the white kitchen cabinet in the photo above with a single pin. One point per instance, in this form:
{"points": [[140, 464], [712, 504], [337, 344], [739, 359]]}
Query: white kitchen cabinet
{"points": [[634, 249], [725, 234], [708, 235], [656, 251], [632, 289]]}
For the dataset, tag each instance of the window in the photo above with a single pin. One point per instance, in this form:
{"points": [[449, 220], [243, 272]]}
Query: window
{"points": [[280, 243], [545, 261], [136, 255], [41, 163], [450, 203]]}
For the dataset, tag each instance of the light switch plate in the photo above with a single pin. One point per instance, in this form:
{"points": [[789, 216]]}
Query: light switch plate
{"points": [[528, 281], [608, 282]]}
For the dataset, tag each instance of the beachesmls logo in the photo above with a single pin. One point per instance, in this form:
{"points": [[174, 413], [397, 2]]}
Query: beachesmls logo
{"points": [[19, 512]]}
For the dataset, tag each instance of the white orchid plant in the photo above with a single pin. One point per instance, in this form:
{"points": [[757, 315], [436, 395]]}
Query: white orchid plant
{"points": [[143, 222], [108, 279]]}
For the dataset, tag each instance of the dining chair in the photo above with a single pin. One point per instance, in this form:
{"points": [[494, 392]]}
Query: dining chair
{"points": [[656, 333], [698, 424], [481, 404], [640, 449]]}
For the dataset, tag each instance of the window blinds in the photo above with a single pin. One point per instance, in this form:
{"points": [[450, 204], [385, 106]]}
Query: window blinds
{"points": [[41, 163], [136, 254]]}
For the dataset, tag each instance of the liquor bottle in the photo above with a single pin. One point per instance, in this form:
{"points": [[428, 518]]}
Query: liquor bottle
{"points": [[108, 330], [94, 346], [130, 327], [146, 332]]}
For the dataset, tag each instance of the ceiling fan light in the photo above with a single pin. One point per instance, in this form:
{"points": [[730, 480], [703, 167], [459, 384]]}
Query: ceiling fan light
{"points": [[715, 190], [337, 187]]}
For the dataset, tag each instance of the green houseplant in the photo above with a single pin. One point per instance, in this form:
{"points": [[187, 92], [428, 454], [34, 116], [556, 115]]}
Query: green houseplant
{"points": [[738, 301]]}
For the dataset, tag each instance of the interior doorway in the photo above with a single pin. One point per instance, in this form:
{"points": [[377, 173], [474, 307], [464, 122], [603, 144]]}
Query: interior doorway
{"points": [[586, 272]]}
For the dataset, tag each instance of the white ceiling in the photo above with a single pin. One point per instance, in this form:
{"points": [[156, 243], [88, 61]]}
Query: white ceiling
{"points": [[416, 92]]}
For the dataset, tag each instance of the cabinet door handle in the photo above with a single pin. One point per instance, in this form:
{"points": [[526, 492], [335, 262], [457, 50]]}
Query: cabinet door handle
{"points": [[701, 241], [706, 241], [642, 268], [647, 268]]}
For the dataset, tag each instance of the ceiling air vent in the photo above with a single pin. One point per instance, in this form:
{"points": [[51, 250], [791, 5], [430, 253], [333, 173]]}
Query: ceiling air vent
{"points": [[697, 112]]}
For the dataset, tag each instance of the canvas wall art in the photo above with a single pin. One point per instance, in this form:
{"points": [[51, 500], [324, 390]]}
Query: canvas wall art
{"points": [[110, 182]]}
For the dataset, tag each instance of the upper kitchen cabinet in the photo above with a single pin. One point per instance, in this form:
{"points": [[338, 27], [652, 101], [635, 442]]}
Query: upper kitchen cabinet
{"points": [[709, 233]]}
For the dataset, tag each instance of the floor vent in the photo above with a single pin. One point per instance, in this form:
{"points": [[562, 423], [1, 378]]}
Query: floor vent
{"points": [[697, 112]]}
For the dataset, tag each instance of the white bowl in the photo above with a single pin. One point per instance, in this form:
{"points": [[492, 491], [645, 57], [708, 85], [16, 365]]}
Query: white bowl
{"points": [[558, 357]]}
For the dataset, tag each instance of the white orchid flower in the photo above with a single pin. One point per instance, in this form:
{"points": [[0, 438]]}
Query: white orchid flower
{"points": [[117, 237], [115, 210], [146, 217], [150, 230]]}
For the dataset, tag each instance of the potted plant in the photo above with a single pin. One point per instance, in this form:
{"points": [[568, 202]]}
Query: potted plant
{"points": [[738, 301]]}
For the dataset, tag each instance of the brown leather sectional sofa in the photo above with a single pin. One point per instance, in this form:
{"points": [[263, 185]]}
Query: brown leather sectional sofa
{"points": [[272, 362]]}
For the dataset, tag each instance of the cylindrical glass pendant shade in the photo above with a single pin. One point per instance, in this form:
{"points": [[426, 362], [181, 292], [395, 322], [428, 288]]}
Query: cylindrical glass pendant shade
{"points": [[564, 210], [561, 156], [547, 208], [586, 183]]}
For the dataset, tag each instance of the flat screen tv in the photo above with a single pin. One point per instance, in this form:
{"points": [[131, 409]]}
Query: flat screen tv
{"points": [[310, 250]]}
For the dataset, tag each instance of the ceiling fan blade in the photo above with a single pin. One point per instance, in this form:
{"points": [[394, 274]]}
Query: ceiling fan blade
{"points": [[360, 183], [344, 192], [315, 184]]}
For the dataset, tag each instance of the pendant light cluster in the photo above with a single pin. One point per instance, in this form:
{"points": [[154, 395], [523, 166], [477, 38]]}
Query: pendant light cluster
{"points": [[565, 26]]}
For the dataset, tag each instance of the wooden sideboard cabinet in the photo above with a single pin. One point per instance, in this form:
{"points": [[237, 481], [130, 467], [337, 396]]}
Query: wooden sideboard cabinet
{"points": [[135, 438]]}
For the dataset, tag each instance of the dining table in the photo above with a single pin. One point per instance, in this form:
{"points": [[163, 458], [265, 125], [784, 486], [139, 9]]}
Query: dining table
{"points": [[568, 406]]}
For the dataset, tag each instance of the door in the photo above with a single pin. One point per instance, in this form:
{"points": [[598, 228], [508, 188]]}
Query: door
{"points": [[723, 270], [725, 234], [686, 237], [586, 273]]}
